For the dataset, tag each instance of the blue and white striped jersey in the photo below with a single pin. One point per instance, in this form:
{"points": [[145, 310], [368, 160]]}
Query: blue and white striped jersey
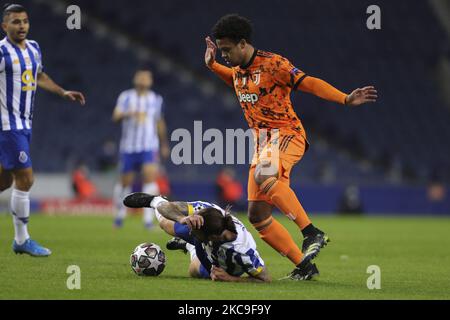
{"points": [[236, 257], [140, 135], [18, 83]]}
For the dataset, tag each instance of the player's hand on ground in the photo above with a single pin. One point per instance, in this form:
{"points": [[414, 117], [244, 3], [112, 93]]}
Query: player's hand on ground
{"points": [[210, 54], [218, 274], [74, 96], [361, 95], [193, 222]]}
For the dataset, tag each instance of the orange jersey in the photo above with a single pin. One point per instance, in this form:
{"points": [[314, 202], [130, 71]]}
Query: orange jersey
{"points": [[263, 88]]}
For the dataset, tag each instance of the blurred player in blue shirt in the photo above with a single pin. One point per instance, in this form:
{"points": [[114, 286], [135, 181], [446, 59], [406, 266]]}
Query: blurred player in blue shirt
{"points": [[143, 137]]}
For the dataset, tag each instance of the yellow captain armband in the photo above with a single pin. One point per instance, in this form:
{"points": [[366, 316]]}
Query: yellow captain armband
{"points": [[256, 271], [190, 209]]}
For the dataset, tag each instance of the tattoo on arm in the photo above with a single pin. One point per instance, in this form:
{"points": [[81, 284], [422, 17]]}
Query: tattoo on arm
{"points": [[174, 211]]}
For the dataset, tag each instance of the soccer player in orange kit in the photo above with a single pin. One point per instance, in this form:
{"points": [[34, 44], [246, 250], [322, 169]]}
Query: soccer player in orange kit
{"points": [[263, 82]]}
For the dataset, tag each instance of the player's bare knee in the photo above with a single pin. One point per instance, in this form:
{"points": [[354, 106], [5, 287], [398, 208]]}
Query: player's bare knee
{"points": [[258, 211], [6, 184], [6, 180], [193, 273], [29, 182], [127, 179], [252, 215], [194, 270], [24, 183], [149, 176]]}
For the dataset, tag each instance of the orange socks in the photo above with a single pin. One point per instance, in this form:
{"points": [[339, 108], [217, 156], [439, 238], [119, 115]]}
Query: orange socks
{"points": [[274, 234], [271, 231], [285, 199]]}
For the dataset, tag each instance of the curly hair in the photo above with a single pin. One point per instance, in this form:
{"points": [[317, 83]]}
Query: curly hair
{"points": [[233, 27]]}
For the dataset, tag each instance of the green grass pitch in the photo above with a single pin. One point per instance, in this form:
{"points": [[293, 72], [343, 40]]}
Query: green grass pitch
{"points": [[413, 254]]}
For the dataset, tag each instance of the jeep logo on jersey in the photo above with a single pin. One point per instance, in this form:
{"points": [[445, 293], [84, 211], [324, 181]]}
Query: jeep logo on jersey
{"points": [[248, 97]]}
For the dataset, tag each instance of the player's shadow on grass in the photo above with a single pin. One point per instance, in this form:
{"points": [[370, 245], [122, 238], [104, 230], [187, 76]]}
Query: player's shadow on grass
{"points": [[314, 283], [275, 281], [172, 277]]}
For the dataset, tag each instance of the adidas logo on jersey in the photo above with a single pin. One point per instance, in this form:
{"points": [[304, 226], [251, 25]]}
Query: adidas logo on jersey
{"points": [[248, 97]]}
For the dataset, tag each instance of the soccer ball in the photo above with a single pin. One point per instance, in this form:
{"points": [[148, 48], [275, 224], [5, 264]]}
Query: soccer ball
{"points": [[148, 259]]}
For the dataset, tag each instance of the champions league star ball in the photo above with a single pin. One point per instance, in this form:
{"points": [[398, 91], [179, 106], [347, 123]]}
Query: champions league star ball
{"points": [[148, 259]]}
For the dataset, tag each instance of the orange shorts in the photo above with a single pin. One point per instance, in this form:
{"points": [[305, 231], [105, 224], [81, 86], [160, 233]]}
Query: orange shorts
{"points": [[291, 148]]}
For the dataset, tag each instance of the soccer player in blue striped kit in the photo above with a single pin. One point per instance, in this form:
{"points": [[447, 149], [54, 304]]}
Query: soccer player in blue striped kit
{"points": [[21, 72], [144, 136], [220, 246]]}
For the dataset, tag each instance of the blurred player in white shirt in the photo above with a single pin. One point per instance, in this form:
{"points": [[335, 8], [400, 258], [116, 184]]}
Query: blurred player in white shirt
{"points": [[144, 136]]}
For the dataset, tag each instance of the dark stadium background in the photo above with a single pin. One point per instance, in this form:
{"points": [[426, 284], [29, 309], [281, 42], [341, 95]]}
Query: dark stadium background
{"points": [[391, 156]]}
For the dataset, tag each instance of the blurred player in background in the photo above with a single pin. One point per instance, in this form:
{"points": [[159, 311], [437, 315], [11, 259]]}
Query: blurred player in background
{"points": [[263, 82], [144, 134], [21, 72]]}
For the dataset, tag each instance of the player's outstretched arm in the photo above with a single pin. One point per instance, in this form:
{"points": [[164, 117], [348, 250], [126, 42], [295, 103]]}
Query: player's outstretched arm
{"points": [[46, 83], [326, 91], [225, 73]]}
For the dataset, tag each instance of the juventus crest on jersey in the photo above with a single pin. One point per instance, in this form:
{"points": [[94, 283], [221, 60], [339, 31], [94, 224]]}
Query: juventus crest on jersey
{"points": [[18, 83]]}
